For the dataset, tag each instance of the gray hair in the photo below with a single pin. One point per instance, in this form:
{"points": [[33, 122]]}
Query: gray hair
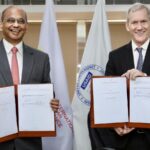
{"points": [[138, 6]]}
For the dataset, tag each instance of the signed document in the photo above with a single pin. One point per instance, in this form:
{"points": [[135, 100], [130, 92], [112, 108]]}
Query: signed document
{"points": [[117, 101], [34, 110], [8, 120], [140, 100], [110, 100]]}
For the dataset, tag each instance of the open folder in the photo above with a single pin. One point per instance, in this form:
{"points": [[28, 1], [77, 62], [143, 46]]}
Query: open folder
{"points": [[116, 101], [27, 114]]}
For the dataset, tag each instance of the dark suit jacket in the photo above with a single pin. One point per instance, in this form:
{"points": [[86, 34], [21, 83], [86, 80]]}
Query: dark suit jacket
{"points": [[36, 69], [120, 60]]}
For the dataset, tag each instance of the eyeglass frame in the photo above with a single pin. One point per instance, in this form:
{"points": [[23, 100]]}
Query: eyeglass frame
{"points": [[11, 20]]}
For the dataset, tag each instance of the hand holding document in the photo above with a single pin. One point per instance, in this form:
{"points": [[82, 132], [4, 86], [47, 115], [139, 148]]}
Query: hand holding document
{"points": [[35, 116], [111, 106]]}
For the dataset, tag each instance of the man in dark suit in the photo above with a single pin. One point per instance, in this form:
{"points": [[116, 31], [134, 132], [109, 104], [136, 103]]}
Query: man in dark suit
{"points": [[33, 66], [129, 62]]}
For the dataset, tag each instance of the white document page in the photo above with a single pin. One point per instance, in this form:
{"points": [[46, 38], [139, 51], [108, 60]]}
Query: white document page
{"points": [[35, 112], [8, 121], [140, 100], [110, 100]]}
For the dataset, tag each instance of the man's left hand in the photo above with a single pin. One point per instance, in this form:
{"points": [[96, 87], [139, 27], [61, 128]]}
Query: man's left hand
{"points": [[54, 104], [133, 73]]}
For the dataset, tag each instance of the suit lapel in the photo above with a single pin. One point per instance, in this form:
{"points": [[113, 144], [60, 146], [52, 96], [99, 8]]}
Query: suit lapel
{"points": [[146, 64], [27, 64], [130, 59], [4, 66]]}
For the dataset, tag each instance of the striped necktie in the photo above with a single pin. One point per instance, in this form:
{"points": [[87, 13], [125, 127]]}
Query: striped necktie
{"points": [[140, 59]]}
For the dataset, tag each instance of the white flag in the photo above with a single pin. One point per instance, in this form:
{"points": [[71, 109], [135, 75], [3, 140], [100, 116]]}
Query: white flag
{"points": [[49, 42], [93, 62]]}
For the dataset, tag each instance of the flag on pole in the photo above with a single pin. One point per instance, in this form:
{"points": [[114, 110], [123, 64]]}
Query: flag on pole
{"points": [[49, 42], [93, 62]]}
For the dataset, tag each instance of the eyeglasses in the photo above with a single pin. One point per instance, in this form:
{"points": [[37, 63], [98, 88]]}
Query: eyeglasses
{"points": [[20, 21]]}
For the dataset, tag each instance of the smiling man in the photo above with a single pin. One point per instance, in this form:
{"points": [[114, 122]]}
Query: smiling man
{"points": [[14, 24], [130, 60], [31, 66]]}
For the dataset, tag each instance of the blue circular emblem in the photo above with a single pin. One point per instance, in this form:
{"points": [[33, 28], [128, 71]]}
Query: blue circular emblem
{"points": [[83, 83]]}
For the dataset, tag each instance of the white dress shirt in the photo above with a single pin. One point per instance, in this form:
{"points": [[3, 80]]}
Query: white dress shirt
{"points": [[8, 46]]}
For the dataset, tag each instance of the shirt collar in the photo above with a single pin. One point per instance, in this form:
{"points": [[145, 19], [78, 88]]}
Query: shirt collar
{"points": [[8, 46], [144, 46]]}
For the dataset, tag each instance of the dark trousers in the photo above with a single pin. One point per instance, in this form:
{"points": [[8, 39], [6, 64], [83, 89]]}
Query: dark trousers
{"points": [[137, 141], [107, 139], [22, 144]]}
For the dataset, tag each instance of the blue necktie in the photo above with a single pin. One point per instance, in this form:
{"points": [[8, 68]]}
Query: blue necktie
{"points": [[140, 59]]}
